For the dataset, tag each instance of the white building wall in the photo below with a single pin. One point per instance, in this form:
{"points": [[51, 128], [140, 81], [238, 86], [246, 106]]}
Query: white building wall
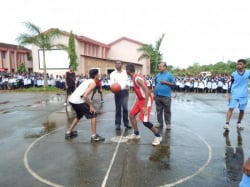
{"points": [[126, 50], [61, 40]]}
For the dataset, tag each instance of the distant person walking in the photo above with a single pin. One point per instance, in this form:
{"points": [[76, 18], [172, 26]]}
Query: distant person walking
{"points": [[238, 93], [70, 83], [121, 99], [79, 100], [142, 106], [164, 81]]}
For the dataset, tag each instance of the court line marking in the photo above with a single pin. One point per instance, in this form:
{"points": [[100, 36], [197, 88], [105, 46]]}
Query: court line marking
{"points": [[197, 171], [45, 181], [27, 166], [112, 160]]}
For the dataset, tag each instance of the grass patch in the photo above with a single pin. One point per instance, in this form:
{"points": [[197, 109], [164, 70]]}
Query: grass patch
{"points": [[38, 89]]}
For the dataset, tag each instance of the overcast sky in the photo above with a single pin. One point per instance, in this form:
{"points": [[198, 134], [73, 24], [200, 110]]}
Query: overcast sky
{"points": [[203, 31]]}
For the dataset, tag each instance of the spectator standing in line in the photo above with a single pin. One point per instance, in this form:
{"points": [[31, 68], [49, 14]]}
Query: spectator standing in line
{"points": [[164, 81], [70, 83], [99, 89], [79, 100], [238, 93], [142, 106], [121, 99]]}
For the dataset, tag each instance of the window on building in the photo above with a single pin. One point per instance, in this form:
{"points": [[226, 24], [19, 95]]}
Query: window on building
{"points": [[3, 54], [29, 56]]}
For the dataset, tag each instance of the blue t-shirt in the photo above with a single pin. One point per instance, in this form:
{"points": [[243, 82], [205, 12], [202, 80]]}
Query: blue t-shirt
{"points": [[239, 87], [163, 89], [245, 181]]}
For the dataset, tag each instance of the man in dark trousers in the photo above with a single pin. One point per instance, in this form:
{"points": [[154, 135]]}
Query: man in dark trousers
{"points": [[99, 89], [164, 81], [70, 83], [121, 99]]}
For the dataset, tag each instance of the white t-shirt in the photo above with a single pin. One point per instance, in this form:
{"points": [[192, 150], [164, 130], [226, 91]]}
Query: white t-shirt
{"points": [[76, 96], [120, 77]]}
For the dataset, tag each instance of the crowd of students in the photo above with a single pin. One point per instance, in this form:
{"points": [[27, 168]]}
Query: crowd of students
{"points": [[188, 84], [198, 84]]}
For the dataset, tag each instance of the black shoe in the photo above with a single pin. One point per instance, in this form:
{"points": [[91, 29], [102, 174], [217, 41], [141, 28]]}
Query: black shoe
{"points": [[118, 128], [70, 135], [97, 138], [128, 126]]}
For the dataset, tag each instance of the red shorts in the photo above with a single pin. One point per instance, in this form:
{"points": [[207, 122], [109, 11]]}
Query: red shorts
{"points": [[137, 108]]}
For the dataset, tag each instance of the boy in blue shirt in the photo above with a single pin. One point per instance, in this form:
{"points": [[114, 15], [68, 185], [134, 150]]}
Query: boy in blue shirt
{"points": [[238, 93]]}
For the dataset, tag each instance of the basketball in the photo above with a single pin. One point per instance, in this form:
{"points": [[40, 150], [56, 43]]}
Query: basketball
{"points": [[115, 87]]}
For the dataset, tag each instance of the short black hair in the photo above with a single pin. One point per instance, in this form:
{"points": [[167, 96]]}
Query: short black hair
{"points": [[93, 73], [130, 67], [242, 60]]}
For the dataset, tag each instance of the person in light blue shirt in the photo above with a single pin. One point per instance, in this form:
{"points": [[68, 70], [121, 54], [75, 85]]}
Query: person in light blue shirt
{"points": [[238, 93], [245, 180], [164, 81]]}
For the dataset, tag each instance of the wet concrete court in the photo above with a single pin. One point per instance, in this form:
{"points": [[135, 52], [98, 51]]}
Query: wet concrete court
{"points": [[35, 153]]}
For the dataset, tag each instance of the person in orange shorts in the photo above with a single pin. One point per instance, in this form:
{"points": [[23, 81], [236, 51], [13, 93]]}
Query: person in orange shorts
{"points": [[142, 106]]}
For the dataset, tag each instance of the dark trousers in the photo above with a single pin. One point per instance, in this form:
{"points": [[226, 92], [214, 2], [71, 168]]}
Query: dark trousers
{"points": [[121, 108], [163, 107]]}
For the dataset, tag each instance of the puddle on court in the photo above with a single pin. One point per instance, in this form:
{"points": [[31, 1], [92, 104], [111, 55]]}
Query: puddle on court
{"points": [[234, 157], [4, 102], [4, 111], [58, 98], [37, 132], [54, 99], [161, 155]]}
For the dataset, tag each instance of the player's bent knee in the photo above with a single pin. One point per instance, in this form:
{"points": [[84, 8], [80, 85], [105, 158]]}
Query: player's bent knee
{"points": [[148, 124]]}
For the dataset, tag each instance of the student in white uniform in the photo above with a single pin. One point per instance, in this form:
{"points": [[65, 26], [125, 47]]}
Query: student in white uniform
{"points": [[80, 102]]}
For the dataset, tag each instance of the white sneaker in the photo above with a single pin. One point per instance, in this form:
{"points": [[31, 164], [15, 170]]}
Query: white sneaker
{"points": [[157, 141], [239, 126], [65, 104], [168, 127], [226, 127], [133, 137]]}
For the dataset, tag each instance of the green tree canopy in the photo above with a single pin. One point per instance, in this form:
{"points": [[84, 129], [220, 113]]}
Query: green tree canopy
{"points": [[152, 53], [217, 68], [21, 68], [72, 51], [44, 40]]}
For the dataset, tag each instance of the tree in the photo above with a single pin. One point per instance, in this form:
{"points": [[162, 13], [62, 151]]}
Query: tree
{"points": [[21, 68], [72, 51], [152, 53], [44, 40]]}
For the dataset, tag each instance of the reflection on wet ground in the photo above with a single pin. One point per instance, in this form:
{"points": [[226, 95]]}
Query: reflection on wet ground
{"points": [[234, 157], [37, 132], [161, 155], [4, 102]]}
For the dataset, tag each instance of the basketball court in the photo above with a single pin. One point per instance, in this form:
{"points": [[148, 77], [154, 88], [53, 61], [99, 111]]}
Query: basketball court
{"points": [[192, 153]]}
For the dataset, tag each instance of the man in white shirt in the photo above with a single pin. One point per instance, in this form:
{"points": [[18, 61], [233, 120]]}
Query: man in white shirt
{"points": [[121, 99]]}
